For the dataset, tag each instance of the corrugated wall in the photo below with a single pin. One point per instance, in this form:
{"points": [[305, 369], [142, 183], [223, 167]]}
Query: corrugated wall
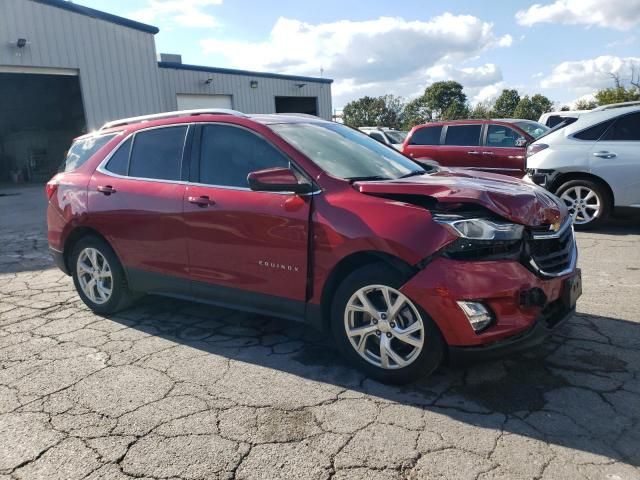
{"points": [[117, 65], [245, 98], [118, 69]]}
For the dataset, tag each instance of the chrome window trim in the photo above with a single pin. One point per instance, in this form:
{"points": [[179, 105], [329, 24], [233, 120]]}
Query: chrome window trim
{"points": [[101, 167]]}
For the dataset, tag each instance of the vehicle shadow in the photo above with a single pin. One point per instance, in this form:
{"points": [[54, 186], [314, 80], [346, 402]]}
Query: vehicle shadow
{"points": [[579, 390]]}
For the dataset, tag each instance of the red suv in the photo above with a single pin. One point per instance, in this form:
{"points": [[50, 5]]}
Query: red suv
{"points": [[491, 145], [297, 217]]}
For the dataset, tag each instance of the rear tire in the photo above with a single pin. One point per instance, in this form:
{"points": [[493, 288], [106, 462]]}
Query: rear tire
{"points": [[588, 201], [399, 342], [99, 277]]}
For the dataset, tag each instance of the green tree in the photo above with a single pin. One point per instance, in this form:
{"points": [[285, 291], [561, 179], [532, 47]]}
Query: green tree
{"points": [[482, 110], [618, 94], [415, 113], [445, 100], [532, 108], [583, 104], [506, 103], [384, 111]]}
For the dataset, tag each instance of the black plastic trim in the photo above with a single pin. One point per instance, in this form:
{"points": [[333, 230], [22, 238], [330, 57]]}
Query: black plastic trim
{"points": [[540, 331], [58, 259], [227, 297]]}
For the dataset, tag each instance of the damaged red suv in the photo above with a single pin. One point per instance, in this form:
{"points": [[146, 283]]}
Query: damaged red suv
{"points": [[297, 217]]}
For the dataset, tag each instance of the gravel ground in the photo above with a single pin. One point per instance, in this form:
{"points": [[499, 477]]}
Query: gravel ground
{"points": [[170, 389]]}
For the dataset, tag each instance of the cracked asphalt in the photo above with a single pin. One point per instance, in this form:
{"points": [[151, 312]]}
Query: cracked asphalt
{"points": [[171, 389]]}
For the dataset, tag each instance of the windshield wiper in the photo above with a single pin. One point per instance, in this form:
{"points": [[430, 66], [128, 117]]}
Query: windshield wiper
{"points": [[364, 178], [414, 173]]}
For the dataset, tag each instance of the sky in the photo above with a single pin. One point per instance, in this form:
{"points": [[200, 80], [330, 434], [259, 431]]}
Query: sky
{"points": [[564, 49]]}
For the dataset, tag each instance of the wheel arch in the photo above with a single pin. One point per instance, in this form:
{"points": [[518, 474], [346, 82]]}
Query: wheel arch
{"points": [[74, 237], [568, 176], [350, 263]]}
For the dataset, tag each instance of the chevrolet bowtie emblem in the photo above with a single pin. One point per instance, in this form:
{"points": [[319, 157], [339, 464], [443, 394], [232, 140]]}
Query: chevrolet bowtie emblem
{"points": [[555, 226]]}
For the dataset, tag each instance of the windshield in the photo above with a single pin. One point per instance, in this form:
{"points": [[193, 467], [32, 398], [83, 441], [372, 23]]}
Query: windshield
{"points": [[534, 129], [396, 136], [346, 153]]}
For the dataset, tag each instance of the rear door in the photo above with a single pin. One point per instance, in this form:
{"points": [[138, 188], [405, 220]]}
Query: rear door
{"points": [[500, 153], [246, 248], [616, 159], [462, 146], [135, 201], [424, 143]]}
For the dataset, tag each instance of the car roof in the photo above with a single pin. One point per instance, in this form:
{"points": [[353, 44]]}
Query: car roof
{"points": [[588, 119]]}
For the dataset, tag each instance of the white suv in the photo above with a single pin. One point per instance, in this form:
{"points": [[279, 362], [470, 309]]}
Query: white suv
{"points": [[387, 136], [592, 164]]}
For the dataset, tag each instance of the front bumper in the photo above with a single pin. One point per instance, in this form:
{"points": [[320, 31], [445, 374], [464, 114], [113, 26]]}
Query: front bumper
{"points": [[543, 327], [502, 286]]}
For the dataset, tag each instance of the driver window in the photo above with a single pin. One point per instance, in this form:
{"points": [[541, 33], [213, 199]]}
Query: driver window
{"points": [[501, 136], [228, 154]]}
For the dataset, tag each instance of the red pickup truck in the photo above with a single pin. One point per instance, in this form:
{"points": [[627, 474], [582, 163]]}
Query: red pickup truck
{"points": [[496, 146]]}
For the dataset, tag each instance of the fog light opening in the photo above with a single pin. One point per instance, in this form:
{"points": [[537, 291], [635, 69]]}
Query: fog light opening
{"points": [[479, 316]]}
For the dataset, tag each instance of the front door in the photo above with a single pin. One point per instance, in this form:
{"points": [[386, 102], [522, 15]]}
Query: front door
{"points": [[245, 247], [500, 153]]}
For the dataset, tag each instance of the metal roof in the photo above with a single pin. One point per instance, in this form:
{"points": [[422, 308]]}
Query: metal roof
{"points": [[231, 71], [108, 17]]}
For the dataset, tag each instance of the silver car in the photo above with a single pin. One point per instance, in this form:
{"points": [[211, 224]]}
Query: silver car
{"points": [[592, 164]]}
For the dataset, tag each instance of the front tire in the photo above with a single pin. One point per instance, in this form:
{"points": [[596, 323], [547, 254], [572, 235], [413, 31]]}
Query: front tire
{"points": [[99, 277], [588, 202], [381, 331]]}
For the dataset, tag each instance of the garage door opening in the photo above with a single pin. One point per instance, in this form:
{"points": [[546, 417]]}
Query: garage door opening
{"points": [[39, 117], [307, 105]]}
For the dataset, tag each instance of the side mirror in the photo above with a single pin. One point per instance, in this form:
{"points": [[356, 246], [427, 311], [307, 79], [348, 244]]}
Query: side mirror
{"points": [[277, 180], [521, 142]]}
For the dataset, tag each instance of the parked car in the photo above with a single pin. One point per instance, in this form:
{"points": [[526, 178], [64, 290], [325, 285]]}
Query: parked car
{"points": [[552, 119], [593, 164], [491, 145], [386, 136], [313, 221]]}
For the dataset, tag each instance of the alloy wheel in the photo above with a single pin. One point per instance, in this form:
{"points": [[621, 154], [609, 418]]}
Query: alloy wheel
{"points": [[94, 275], [384, 327], [583, 203]]}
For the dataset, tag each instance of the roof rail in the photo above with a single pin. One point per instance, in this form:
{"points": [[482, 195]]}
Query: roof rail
{"points": [[175, 114], [616, 105]]}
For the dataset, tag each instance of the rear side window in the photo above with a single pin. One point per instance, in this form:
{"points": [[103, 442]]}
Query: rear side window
{"points": [[377, 136], [229, 154], [627, 128], [463, 135], [119, 161], [595, 132], [82, 150], [426, 136], [157, 154]]}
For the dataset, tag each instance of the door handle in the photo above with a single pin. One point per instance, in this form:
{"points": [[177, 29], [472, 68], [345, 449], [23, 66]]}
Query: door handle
{"points": [[487, 153], [202, 201], [106, 189], [473, 152], [604, 154]]}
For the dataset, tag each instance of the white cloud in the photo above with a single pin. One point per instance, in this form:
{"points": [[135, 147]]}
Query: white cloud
{"points": [[385, 55], [618, 14], [184, 13], [481, 76], [585, 76]]}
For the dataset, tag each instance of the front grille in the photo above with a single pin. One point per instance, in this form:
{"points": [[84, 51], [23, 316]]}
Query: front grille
{"points": [[551, 255]]}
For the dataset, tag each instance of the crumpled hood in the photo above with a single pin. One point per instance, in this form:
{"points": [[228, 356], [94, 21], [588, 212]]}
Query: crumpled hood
{"points": [[510, 198]]}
